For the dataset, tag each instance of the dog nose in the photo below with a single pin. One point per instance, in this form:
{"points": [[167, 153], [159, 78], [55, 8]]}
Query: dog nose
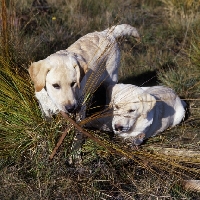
{"points": [[118, 127], [70, 109]]}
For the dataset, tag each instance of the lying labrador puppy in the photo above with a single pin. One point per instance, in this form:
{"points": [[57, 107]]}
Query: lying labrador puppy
{"points": [[57, 78], [140, 113]]}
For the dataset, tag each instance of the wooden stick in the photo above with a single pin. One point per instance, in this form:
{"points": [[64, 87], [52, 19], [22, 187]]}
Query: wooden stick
{"points": [[175, 152], [192, 185], [78, 127], [59, 142]]}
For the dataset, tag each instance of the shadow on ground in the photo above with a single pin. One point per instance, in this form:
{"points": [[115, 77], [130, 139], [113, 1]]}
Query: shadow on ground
{"points": [[148, 78]]}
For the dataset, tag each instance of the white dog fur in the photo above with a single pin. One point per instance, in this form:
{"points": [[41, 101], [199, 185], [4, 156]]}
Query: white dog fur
{"points": [[57, 78], [141, 112]]}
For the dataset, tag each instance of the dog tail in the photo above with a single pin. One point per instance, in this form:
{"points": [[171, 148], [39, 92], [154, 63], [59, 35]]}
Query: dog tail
{"points": [[123, 30]]}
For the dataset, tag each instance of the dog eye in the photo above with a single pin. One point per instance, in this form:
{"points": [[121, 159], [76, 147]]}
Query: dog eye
{"points": [[131, 110], [73, 83], [56, 86]]}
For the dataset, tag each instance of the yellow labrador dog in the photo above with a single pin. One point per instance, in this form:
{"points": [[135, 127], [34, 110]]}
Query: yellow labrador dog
{"points": [[139, 113], [57, 78]]}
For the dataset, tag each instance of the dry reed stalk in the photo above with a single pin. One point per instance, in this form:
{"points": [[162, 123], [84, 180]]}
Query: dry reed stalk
{"points": [[191, 185], [176, 152], [5, 31], [59, 142], [79, 128], [68, 129], [85, 121]]}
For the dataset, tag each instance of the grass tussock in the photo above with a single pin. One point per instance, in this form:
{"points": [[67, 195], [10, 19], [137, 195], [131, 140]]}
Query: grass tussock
{"points": [[168, 54], [183, 12]]}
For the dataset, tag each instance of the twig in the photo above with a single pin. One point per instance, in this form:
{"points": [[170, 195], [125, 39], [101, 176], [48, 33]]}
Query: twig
{"points": [[59, 142], [5, 31], [79, 128], [176, 152], [112, 149], [192, 185]]}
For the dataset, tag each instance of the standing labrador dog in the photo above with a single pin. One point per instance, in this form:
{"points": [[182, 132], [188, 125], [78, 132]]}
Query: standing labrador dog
{"points": [[139, 113], [57, 78]]}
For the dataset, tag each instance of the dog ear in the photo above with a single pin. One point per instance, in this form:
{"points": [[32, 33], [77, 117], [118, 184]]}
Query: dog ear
{"points": [[78, 74], [109, 92], [38, 71], [80, 67], [82, 64], [147, 103]]}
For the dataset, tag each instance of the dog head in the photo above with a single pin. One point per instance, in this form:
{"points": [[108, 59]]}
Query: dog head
{"points": [[60, 74], [129, 104]]}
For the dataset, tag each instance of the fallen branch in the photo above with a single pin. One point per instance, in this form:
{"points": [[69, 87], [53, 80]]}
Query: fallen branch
{"points": [[79, 128], [176, 152], [59, 142], [191, 185]]}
